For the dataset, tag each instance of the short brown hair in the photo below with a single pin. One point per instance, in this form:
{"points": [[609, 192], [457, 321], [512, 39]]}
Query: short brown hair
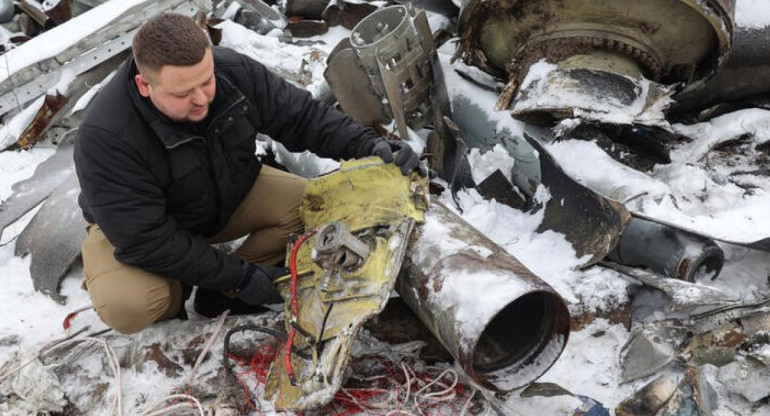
{"points": [[169, 39]]}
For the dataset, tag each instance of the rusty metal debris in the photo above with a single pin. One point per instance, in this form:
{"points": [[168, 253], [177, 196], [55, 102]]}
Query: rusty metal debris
{"points": [[717, 347], [450, 270], [691, 396], [546, 61], [595, 49], [51, 105], [21, 81]]}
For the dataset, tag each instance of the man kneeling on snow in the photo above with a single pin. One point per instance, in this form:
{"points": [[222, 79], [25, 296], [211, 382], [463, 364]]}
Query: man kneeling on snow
{"points": [[166, 163]]}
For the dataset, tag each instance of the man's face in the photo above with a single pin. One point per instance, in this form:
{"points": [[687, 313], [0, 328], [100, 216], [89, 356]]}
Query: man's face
{"points": [[183, 93]]}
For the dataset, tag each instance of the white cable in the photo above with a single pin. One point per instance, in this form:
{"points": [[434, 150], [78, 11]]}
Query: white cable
{"points": [[156, 412], [41, 351], [114, 363], [407, 382], [446, 390], [190, 377], [112, 358], [206, 348]]}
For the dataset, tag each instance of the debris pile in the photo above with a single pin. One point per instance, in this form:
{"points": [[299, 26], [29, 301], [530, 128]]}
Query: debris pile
{"points": [[540, 81]]}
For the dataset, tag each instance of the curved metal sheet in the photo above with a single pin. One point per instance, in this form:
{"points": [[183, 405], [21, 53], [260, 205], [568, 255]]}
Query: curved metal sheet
{"points": [[53, 238], [49, 174]]}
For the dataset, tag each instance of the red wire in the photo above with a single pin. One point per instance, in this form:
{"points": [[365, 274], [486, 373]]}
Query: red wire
{"points": [[294, 304], [68, 320]]}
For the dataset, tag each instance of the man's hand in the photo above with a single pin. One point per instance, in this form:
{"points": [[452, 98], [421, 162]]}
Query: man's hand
{"points": [[405, 157], [258, 287]]}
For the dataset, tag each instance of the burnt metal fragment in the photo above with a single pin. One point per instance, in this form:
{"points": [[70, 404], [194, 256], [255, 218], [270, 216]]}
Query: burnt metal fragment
{"points": [[302, 28], [308, 9], [649, 400], [685, 297], [590, 222], [717, 347], [496, 186], [255, 15], [347, 13]]}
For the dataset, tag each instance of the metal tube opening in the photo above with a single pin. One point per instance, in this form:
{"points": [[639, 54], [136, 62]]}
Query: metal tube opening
{"points": [[521, 332], [708, 266]]}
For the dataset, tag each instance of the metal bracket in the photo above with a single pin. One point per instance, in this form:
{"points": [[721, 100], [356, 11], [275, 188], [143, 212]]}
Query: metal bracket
{"points": [[39, 86]]}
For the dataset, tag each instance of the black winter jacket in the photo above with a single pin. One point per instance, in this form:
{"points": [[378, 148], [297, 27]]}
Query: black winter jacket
{"points": [[154, 186]]}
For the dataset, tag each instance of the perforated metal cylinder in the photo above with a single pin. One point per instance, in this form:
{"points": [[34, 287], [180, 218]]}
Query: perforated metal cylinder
{"points": [[389, 40]]}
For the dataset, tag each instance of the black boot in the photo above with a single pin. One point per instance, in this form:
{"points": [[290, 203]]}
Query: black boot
{"points": [[211, 304]]}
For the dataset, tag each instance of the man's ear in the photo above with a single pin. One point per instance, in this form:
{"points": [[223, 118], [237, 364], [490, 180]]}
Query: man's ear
{"points": [[143, 85]]}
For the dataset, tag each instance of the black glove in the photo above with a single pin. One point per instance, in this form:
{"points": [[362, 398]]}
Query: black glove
{"points": [[406, 158], [257, 287]]}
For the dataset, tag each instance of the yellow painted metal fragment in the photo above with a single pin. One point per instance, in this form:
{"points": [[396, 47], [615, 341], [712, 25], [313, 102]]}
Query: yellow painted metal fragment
{"points": [[377, 206]]}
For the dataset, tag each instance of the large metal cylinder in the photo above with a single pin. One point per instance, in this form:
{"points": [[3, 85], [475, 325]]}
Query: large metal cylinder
{"points": [[503, 325], [601, 49], [668, 251]]}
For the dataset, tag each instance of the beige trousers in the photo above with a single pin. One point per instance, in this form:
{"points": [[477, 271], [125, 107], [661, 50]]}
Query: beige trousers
{"points": [[129, 299]]}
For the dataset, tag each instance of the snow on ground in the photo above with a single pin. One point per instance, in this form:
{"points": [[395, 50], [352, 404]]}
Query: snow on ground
{"points": [[589, 366], [752, 13]]}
